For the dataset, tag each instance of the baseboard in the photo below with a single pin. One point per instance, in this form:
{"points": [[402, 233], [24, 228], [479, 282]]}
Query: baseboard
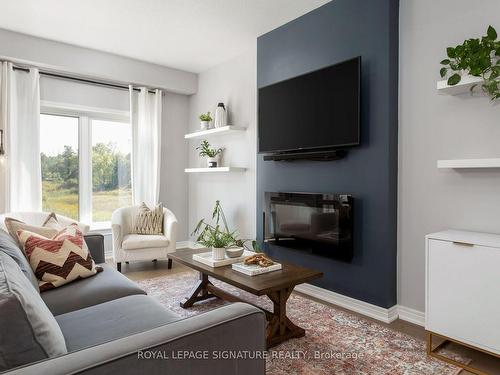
{"points": [[411, 315], [376, 312]]}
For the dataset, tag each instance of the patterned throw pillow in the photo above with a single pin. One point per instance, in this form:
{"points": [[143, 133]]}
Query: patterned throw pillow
{"points": [[58, 260], [149, 221], [14, 225]]}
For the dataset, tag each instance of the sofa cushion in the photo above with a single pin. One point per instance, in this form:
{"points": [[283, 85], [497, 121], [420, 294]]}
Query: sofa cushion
{"points": [[112, 320], [144, 241], [29, 331], [10, 247], [58, 260], [105, 286]]}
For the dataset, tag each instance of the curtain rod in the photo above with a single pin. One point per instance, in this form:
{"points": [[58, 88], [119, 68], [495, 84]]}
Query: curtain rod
{"points": [[84, 80]]}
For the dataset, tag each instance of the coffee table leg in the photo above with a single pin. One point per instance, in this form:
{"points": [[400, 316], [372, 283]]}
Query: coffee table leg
{"points": [[199, 292], [280, 328]]}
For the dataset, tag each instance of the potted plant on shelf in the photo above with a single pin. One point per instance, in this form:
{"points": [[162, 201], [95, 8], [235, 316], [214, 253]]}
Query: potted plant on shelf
{"points": [[212, 154], [215, 236], [205, 119], [478, 58]]}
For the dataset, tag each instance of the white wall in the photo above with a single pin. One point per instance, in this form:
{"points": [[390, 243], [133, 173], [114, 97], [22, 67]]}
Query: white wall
{"points": [[233, 83], [436, 127], [85, 61]]}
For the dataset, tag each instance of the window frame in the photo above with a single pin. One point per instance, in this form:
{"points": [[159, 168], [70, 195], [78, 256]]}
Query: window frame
{"points": [[85, 115]]}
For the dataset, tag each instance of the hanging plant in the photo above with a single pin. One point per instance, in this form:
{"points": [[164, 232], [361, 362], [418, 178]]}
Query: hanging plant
{"points": [[478, 57]]}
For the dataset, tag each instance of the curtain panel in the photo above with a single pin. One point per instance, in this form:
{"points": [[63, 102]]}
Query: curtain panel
{"points": [[20, 167], [145, 116]]}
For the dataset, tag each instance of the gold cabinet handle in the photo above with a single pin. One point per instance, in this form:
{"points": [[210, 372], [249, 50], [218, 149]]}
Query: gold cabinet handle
{"points": [[463, 244]]}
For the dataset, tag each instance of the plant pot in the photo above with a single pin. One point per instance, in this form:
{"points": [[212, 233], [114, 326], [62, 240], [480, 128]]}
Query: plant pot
{"points": [[205, 125], [218, 253], [213, 162]]}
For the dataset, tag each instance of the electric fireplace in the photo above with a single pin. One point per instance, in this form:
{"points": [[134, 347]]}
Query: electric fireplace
{"points": [[317, 223]]}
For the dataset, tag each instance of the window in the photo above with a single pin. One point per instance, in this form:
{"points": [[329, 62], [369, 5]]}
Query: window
{"points": [[111, 182], [59, 154], [86, 165]]}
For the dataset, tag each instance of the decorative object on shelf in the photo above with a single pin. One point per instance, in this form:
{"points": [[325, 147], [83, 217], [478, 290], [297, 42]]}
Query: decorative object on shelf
{"points": [[218, 237], [477, 58], [220, 116], [235, 252], [205, 119], [2, 150], [212, 154]]}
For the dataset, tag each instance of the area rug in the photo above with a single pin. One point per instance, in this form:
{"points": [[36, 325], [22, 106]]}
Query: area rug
{"points": [[336, 342]]}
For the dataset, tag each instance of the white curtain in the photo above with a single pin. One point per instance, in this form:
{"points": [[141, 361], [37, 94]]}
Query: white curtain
{"points": [[20, 170], [145, 116]]}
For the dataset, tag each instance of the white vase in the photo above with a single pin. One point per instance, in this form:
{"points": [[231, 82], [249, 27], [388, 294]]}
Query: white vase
{"points": [[220, 116], [218, 253], [213, 162], [205, 125]]}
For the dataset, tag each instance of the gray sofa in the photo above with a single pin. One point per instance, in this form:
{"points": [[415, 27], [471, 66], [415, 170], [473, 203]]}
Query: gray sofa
{"points": [[111, 326]]}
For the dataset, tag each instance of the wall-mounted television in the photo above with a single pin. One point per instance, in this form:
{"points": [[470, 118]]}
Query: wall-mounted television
{"points": [[315, 111]]}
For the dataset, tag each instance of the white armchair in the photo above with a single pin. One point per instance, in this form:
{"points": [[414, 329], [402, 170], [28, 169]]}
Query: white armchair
{"points": [[128, 246]]}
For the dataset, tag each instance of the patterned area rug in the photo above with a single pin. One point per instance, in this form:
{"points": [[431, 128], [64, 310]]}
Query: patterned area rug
{"points": [[336, 342]]}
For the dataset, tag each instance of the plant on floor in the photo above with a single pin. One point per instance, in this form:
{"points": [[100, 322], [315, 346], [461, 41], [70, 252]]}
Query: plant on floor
{"points": [[205, 150], [206, 117], [478, 57], [215, 235]]}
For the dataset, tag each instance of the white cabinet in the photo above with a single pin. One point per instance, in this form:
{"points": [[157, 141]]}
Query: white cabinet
{"points": [[463, 287]]}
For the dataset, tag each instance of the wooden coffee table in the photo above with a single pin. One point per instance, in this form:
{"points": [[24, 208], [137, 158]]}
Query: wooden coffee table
{"points": [[277, 285]]}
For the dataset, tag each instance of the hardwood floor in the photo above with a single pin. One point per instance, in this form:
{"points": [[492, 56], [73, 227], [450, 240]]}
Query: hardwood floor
{"points": [[488, 364]]}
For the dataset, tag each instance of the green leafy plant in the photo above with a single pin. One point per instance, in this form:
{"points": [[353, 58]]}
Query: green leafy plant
{"points": [[479, 57], [206, 151], [206, 117], [216, 234]]}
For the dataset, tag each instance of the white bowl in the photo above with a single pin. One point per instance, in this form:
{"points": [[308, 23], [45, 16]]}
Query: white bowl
{"points": [[234, 252]]}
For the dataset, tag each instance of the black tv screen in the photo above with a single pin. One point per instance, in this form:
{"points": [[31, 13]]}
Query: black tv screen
{"points": [[318, 110]]}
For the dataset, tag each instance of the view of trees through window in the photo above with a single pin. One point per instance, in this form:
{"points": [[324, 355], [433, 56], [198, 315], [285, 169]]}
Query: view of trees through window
{"points": [[110, 156]]}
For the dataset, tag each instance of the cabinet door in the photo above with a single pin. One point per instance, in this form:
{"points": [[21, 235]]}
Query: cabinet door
{"points": [[463, 293]]}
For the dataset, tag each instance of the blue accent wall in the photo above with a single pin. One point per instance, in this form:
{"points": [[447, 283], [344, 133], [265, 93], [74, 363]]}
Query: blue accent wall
{"points": [[338, 31]]}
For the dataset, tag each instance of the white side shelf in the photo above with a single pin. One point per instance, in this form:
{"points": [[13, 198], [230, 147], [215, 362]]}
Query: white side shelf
{"points": [[214, 170], [468, 163], [222, 130], [462, 87]]}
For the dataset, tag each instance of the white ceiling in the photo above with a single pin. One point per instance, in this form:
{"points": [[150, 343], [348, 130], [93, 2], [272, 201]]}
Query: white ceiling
{"points": [[192, 35]]}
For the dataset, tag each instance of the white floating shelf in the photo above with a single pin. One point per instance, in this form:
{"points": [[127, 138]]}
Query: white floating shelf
{"points": [[460, 88], [222, 130], [214, 170], [468, 163]]}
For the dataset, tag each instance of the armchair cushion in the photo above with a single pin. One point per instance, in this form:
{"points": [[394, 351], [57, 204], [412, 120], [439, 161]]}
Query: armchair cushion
{"points": [[144, 241]]}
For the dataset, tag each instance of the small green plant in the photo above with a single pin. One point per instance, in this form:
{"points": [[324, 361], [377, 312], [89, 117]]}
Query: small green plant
{"points": [[206, 117], [479, 57], [217, 234], [206, 151]]}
